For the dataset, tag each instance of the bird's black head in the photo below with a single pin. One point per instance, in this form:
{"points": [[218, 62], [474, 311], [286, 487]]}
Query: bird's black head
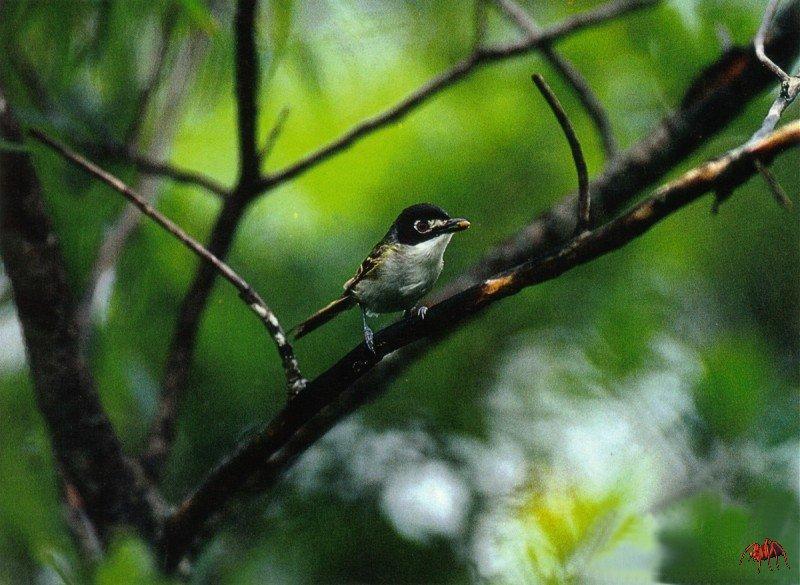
{"points": [[425, 221]]}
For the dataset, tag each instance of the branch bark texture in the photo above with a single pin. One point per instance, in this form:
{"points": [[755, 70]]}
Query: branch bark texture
{"points": [[252, 468], [251, 183], [86, 447]]}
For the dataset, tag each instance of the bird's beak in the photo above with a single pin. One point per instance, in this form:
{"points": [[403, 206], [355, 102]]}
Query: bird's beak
{"points": [[457, 224]]}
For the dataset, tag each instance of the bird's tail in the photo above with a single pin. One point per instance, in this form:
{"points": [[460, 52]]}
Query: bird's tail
{"points": [[322, 316]]}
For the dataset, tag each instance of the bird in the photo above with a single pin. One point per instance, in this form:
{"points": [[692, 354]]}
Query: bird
{"points": [[398, 272]]}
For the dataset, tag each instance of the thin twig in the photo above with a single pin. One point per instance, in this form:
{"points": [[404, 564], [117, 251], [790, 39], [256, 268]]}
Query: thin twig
{"points": [[179, 355], [457, 72], [157, 143], [774, 185], [769, 14], [274, 134], [294, 378], [584, 200], [259, 461], [790, 84], [570, 74], [149, 166]]}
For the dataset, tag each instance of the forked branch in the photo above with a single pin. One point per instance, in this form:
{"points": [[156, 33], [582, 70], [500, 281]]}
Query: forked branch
{"points": [[294, 378], [182, 346], [790, 84], [570, 74], [260, 460], [480, 56]]}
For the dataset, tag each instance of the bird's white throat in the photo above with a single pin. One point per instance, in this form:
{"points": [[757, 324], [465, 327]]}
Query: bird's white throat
{"points": [[428, 251]]}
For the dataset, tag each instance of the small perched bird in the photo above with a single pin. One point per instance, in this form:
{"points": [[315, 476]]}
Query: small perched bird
{"points": [[399, 271]]}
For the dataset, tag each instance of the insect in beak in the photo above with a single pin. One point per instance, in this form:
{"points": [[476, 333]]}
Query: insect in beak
{"points": [[457, 224]]}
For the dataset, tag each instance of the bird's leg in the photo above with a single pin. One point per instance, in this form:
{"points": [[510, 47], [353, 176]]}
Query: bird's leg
{"points": [[367, 331], [417, 312]]}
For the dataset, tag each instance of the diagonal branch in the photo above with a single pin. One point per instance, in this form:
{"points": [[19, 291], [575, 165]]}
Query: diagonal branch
{"points": [[179, 357], [717, 96], [176, 370], [85, 445], [479, 57], [190, 53], [274, 134], [294, 379], [258, 462], [719, 93], [149, 166], [571, 75], [769, 14]]}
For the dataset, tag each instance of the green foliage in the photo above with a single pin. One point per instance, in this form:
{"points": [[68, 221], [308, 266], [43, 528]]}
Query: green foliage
{"points": [[735, 389], [128, 562], [713, 298]]}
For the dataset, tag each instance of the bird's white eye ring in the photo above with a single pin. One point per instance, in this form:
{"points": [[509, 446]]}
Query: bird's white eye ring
{"points": [[422, 226]]}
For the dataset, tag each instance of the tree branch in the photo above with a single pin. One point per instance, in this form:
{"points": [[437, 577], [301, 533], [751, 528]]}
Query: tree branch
{"points": [[149, 166], [274, 134], [570, 74], [176, 369], [480, 56], [790, 84], [769, 14], [182, 347], [247, 79], [584, 201], [167, 112], [87, 449], [718, 95], [252, 466], [294, 380]]}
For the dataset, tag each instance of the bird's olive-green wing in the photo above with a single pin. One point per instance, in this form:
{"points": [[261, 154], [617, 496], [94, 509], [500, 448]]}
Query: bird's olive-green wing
{"points": [[369, 265]]}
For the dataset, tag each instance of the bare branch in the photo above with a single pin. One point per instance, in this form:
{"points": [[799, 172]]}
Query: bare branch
{"points": [[790, 84], [176, 369], [769, 14], [570, 74], [459, 71], [83, 440], [252, 466], [167, 111], [294, 379], [149, 166], [718, 96], [179, 357], [247, 79], [584, 201], [774, 185]]}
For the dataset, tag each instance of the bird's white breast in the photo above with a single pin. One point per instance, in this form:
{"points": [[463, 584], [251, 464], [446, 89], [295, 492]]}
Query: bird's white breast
{"points": [[405, 277]]}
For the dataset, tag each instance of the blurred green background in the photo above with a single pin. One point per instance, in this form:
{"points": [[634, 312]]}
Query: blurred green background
{"points": [[634, 419]]}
